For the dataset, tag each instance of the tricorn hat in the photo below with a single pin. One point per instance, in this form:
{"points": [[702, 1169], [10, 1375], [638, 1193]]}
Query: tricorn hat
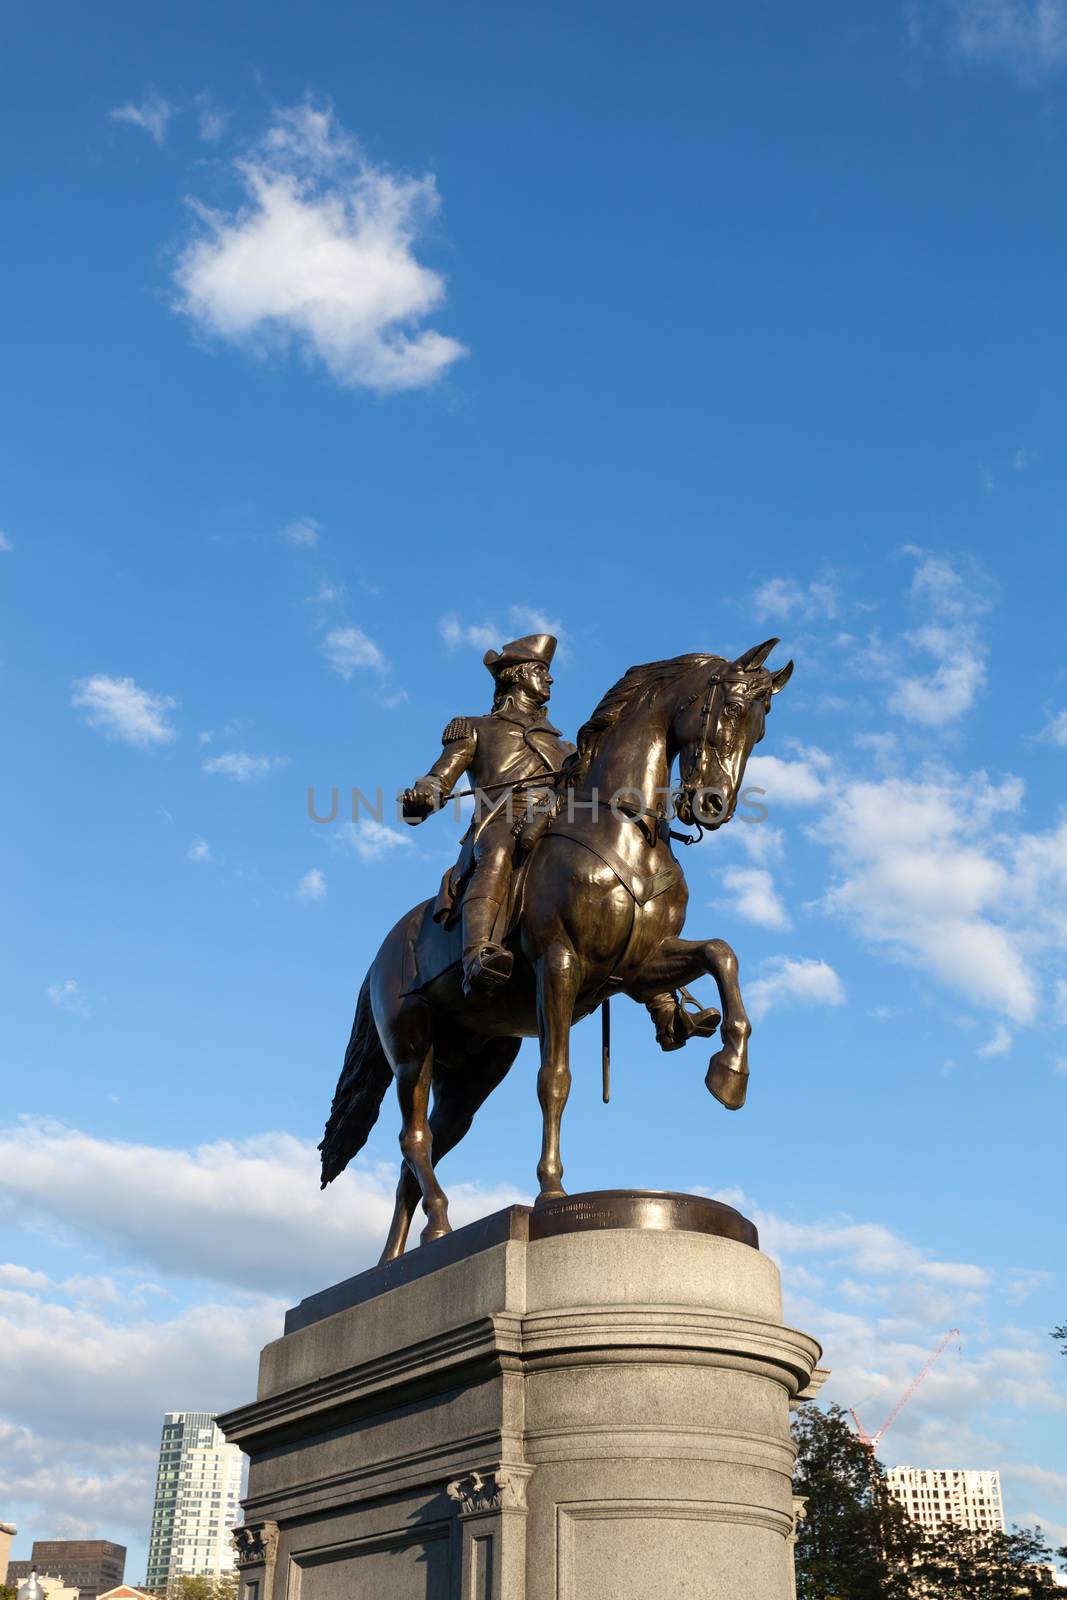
{"points": [[534, 647]]}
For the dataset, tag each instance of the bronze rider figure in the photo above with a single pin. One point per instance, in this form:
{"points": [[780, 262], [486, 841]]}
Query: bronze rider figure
{"points": [[509, 757]]}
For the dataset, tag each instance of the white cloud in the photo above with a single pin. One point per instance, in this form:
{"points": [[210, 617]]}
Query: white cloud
{"points": [[1055, 729], [760, 842], [153, 115], [926, 869], [754, 896], [784, 782], [1023, 459], [783, 599], [488, 636], [240, 767], [161, 1207], [531, 619], [124, 710], [5, 544], [304, 532], [68, 996], [1029, 37], [321, 255], [999, 1044], [799, 981], [949, 607], [199, 850], [211, 120], [369, 839], [347, 649], [328, 594], [312, 885], [480, 635]]}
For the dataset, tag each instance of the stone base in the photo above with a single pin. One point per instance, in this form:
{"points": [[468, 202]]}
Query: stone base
{"points": [[521, 1412]]}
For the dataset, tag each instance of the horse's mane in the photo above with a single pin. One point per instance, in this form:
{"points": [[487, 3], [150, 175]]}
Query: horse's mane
{"points": [[635, 683]]}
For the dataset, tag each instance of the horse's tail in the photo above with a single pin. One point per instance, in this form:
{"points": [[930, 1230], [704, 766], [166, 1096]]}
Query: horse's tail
{"points": [[360, 1090]]}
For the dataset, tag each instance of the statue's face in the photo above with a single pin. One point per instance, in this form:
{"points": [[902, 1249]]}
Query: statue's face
{"points": [[535, 679]]}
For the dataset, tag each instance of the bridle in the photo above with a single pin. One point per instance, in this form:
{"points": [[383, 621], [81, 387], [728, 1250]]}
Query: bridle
{"points": [[687, 778]]}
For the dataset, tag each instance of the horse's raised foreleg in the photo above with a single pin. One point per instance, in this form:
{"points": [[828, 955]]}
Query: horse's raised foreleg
{"points": [[457, 1094], [557, 989], [680, 961]]}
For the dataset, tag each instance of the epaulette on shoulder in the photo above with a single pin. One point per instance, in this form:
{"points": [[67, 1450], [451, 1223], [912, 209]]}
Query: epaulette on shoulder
{"points": [[458, 728]]}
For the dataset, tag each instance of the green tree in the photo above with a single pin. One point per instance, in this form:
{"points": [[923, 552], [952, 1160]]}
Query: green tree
{"points": [[8, 1591], [962, 1564], [203, 1586], [1060, 1333], [853, 1542]]}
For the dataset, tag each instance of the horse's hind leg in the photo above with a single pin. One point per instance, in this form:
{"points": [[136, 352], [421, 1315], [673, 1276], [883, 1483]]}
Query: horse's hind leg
{"points": [[557, 987], [457, 1094], [409, 1043]]}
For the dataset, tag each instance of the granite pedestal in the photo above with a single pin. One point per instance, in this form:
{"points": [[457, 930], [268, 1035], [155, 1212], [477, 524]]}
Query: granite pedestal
{"points": [[586, 1403]]}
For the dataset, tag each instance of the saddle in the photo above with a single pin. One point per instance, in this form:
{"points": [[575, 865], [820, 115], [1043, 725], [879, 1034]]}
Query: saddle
{"points": [[435, 941]]}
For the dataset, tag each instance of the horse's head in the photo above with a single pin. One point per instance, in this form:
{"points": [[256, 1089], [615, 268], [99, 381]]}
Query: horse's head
{"points": [[715, 730]]}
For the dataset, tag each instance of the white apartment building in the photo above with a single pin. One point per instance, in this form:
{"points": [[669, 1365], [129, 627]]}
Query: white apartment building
{"points": [[198, 1491], [933, 1496]]}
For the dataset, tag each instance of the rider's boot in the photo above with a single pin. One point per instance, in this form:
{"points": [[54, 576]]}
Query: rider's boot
{"points": [[486, 965], [678, 1020]]}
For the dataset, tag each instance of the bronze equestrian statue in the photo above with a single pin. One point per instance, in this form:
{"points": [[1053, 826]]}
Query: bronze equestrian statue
{"points": [[595, 909]]}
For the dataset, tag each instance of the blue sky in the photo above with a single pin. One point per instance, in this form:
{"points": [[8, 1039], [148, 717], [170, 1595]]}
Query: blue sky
{"points": [[341, 345]]}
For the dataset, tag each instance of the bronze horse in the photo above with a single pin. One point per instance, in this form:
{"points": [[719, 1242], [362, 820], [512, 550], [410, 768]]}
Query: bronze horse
{"points": [[602, 906]]}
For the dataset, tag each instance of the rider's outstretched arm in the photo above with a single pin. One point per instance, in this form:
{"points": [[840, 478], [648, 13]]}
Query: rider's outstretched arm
{"points": [[430, 793]]}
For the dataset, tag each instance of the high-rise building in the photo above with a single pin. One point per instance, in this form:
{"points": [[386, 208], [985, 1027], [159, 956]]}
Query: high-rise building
{"points": [[88, 1565], [8, 1531], [198, 1489], [933, 1496]]}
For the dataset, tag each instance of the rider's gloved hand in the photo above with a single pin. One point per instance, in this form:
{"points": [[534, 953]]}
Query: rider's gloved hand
{"points": [[420, 801]]}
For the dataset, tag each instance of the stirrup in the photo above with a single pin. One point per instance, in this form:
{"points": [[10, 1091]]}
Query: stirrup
{"points": [[695, 1020], [486, 968]]}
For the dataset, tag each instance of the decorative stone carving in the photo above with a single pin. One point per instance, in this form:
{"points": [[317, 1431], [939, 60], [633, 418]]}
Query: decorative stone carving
{"points": [[499, 1490], [255, 1545]]}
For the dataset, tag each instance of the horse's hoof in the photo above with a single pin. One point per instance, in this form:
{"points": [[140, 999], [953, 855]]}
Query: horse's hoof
{"points": [[727, 1084], [549, 1194], [434, 1230]]}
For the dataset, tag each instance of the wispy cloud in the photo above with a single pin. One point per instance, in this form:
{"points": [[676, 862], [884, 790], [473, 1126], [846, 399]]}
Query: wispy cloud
{"points": [[348, 649], [754, 897], [1055, 729], [369, 839], [152, 115], [211, 120], [478, 635], [304, 532], [998, 1044], [322, 256], [947, 634], [312, 885], [5, 544], [124, 710], [488, 635], [68, 996], [1029, 37], [241, 767], [786, 980], [786, 600], [199, 850]]}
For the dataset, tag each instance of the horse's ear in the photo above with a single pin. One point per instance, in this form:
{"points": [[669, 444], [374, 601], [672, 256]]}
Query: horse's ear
{"points": [[757, 655], [780, 678]]}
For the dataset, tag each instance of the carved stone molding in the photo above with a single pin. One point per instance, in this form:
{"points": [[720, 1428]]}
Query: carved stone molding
{"points": [[498, 1490], [256, 1544]]}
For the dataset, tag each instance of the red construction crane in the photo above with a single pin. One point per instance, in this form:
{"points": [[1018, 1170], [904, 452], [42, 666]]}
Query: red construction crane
{"points": [[872, 1440]]}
